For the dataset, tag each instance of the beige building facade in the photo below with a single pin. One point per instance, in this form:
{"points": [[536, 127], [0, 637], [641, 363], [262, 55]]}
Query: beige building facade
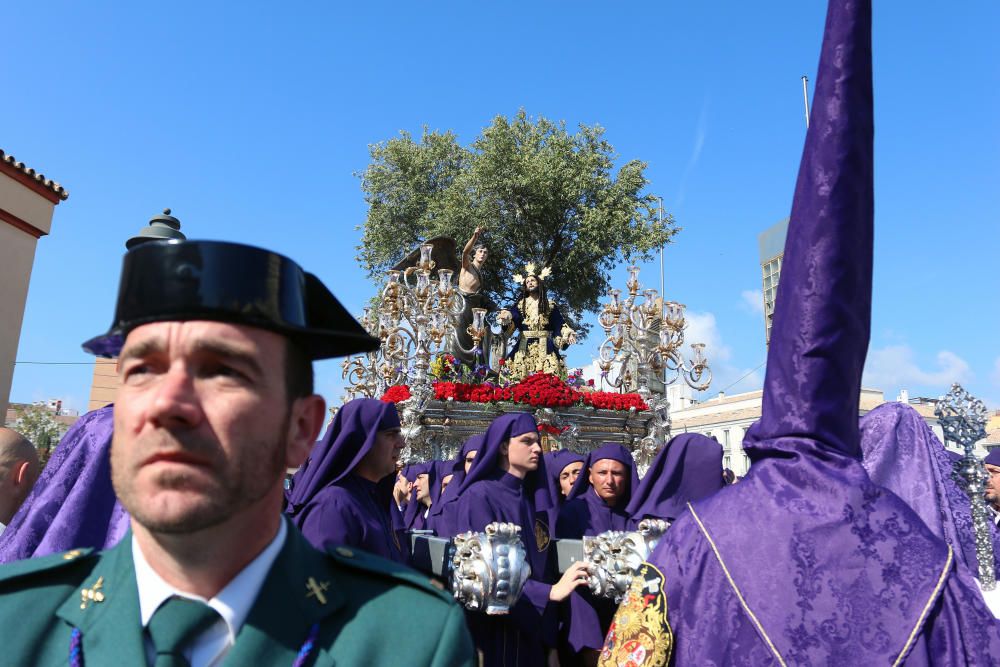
{"points": [[27, 203], [727, 418]]}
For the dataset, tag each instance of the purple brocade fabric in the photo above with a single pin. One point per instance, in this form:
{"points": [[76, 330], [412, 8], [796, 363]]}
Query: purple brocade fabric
{"points": [[688, 468], [902, 454], [73, 504], [806, 558]]}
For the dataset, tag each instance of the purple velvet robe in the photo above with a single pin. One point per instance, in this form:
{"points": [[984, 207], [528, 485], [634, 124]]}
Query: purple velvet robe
{"points": [[688, 468], [329, 503], [414, 512], [73, 504], [488, 494], [806, 561]]}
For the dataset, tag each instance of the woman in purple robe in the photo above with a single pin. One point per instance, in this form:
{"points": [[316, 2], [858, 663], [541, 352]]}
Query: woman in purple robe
{"points": [[339, 497], [441, 515], [688, 468], [507, 482], [829, 568], [901, 453], [73, 504]]}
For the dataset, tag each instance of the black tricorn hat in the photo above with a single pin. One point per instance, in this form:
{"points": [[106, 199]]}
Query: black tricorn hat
{"points": [[165, 281]]}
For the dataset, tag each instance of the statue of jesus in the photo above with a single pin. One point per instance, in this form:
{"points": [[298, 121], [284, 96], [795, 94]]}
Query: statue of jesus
{"points": [[543, 331]]}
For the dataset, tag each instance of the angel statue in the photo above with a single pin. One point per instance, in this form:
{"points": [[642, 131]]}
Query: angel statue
{"points": [[543, 332]]}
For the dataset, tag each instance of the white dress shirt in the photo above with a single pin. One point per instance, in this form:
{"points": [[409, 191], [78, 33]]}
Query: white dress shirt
{"points": [[233, 603]]}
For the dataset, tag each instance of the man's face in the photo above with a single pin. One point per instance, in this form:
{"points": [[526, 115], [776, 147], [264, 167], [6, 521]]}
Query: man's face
{"points": [[568, 477], [531, 284], [607, 476], [481, 255], [524, 452], [469, 458], [381, 459], [993, 485], [423, 488], [203, 429]]}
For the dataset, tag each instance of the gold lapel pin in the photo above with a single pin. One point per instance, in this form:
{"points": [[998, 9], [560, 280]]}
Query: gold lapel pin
{"points": [[93, 594], [317, 589]]}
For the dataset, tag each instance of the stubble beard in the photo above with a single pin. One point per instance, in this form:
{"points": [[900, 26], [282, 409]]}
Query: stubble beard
{"points": [[237, 488]]}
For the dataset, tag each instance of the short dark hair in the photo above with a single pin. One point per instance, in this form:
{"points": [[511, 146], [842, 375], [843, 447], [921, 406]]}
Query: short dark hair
{"points": [[298, 372]]}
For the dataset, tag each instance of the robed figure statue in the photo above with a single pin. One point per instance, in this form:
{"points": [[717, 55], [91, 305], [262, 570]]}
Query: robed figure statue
{"points": [[543, 333]]}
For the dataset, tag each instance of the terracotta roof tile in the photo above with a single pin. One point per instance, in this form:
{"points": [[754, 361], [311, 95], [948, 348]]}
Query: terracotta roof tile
{"points": [[48, 183]]}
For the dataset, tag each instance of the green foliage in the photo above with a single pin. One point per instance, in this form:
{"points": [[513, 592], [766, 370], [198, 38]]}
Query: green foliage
{"points": [[40, 427], [542, 194]]}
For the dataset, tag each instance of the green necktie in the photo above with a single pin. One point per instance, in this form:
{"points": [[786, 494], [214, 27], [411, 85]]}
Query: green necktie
{"points": [[175, 623]]}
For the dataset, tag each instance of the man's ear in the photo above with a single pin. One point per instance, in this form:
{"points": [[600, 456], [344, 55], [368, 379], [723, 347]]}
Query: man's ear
{"points": [[22, 472], [304, 425]]}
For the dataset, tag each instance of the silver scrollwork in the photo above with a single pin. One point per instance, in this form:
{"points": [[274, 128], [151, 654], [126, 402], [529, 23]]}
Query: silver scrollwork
{"points": [[614, 556], [490, 568], [963, 419]]}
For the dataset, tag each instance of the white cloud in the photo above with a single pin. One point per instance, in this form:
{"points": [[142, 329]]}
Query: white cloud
{"points": [[893, 367], [753, 301]]}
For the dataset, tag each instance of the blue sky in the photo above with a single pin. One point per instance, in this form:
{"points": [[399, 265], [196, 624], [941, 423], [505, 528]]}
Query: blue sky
{"points": [[250, 123]]}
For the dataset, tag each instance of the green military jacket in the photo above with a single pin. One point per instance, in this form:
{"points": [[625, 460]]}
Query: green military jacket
{"points": [[367, 611]]}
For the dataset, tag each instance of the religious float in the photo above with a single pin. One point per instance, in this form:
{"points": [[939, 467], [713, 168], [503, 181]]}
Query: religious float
{"points": [[452, 366], [452, 362]]}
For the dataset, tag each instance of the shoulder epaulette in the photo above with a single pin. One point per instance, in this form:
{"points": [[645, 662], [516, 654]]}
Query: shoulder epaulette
{"points": [[370, 563], [28, 566]]}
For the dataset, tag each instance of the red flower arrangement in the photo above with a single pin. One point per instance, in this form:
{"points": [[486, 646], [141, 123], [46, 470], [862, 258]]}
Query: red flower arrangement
{"points": [[396, 394], [539, 390]]}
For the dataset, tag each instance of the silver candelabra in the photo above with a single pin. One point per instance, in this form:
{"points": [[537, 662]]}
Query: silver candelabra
{"points": [[963, 419], [644, 340]]}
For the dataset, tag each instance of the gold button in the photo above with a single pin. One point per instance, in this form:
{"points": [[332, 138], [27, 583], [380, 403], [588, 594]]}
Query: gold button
{"points": [[345, 552], [70, 555]]}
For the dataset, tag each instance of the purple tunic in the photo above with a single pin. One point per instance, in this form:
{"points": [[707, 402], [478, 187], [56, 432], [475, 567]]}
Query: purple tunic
{"points": [[488, 494], [829, 569], [902, 454], [329, 503], [413, 514], [73, 504], [688, 468]]}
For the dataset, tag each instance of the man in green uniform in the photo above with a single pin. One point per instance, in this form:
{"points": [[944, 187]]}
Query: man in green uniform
{"points": [[215, 343]]}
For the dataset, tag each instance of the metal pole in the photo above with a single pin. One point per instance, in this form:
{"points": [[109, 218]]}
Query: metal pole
{"points": [[805, 97], [663, 296]]}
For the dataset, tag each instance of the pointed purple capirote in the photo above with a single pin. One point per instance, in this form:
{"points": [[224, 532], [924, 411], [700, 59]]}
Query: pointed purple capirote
{"points": [[489, 494], [586, 513], [331, 505], [688, 468], [441, 517], [73, 504], [901, 453], [806, 561]]}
